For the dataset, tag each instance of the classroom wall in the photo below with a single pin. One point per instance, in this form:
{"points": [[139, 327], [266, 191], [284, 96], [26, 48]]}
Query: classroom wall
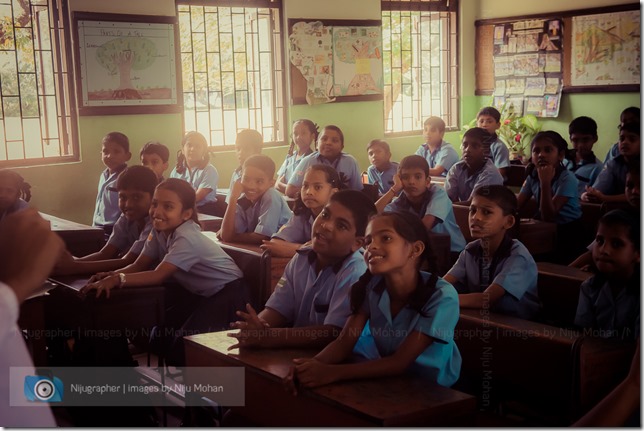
{"points": [[69, 190]]}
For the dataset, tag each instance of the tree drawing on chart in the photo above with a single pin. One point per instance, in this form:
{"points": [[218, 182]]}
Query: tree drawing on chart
{"points": [[121, 56], [358, 47]]}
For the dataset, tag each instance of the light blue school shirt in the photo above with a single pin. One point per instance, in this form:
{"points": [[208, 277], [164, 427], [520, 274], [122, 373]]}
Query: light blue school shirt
{"points": [[612, 153], [265, 216], [203, 267], [612, 179], [564, 184], [385, 179], [459, 184], [437, 204], [236, 175], [445, 155], [586, 171], [17, 206], [441, 360], [609, 316], [512, 267], [127, 237], [106, 210], [500, 154], [206, 178], [308, 298], [290, 165], [298, 229], [345, 164]]}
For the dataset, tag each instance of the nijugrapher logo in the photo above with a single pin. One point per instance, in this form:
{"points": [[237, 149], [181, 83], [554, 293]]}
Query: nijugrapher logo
{"points": [[43, 389]]}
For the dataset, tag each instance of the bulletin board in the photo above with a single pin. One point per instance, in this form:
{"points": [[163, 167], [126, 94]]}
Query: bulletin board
{"points": [[620, 42], [335, 60]]}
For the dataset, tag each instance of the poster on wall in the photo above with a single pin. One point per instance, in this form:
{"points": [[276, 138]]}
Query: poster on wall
{"points": [[528, 70]]}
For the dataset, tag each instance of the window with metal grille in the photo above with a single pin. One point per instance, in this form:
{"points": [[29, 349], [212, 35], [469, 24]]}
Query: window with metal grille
{"points": [[420, 55], [37, 118], [232, 69]]}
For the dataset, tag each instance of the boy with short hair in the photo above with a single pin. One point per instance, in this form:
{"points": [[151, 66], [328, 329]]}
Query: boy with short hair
{"points": [[312, 297], [115, 150], [489, 118], [247, 143], [421, 197], [475, 170], [440, 155], [382, 170], [260, 209], [628, 115], [155, 155], [583, 135]]}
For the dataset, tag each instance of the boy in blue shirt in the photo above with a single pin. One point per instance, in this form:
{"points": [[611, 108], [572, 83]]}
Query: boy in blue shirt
{"points": [[420, 197], [628, 115], [382, 170], [310, 304], [155, 156], [489, 118], [586, 167], [260, 209], [247, 143], [115, 154], [439, 154]]}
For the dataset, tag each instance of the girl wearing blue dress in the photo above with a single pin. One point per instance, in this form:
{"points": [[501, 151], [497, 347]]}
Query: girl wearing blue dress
{"points": [[305, 134]]}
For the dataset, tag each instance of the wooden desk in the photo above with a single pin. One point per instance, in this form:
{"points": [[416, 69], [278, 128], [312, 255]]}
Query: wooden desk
{"points": [[79, 239], [516, 175], [209, 222], [559, 292], [32, 319], [538, 236], [399, 401]]}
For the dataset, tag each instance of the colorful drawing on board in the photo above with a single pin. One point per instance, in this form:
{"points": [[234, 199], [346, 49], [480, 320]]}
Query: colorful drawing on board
{"points": [[358, 61], [535, 86], [534, 106]]}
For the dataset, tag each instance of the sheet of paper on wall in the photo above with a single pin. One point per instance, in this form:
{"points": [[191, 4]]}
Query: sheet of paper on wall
{"points": [[535, 86], [499, 87], [311, 54], [552, 85]]}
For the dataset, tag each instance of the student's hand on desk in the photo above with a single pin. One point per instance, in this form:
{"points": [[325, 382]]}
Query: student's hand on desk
{"points": [[251, 329], [592, 195], [105, 284], [311, 373], [277, 248]]}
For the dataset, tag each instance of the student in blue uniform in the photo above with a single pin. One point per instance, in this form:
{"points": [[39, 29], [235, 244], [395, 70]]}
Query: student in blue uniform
{"points": [[439, 154], [115, 154], [628, 115], [305, 134], [193, 166], [311, 301], [609, 302], [260, 210], [382, 170], [495, 271], [248, 142], [155, 155], [428, 201], [584, 164], [609, 186], [330, 145], [489, 118], [210, 283], [135, 187], [555, 189], [411, 314], [475, 170], [15, 193], [320, 182]]}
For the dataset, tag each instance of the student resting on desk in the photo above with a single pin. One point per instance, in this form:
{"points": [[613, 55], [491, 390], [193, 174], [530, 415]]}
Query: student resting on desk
{"points": [[248, 142], [320, 182], [28, 253], [428, 201], [256, 210], [382, 170], [489, 118], [193, 166], [475, 170], [495, 271], [628, 115], [135, 187], [609, 185], [305, 134], [311, 301], [155, 156], [584, 164], [330, 146], [411, 314], [211, 283], [609, 302], [440, 155], [115, 154], [555, 189], [15, 193]]}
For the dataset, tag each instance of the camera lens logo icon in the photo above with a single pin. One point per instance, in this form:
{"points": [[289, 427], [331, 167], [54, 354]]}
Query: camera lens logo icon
{"points": [[43, 389]]}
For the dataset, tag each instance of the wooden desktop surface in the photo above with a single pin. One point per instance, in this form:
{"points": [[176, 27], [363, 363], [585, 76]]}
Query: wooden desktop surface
{"points": [[80, 239], [394, 401]]}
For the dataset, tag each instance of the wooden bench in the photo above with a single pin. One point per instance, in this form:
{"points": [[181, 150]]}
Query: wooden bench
{"points": [[80, 239], [209, 223], [558, 287]]}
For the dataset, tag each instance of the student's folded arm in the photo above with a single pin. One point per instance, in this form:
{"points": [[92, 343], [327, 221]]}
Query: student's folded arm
{"points": [[437, 171], [248, 238], [487, 298], [551, 205], [98, 266], [280, 248], [108, 251], [142, 263], [614, 198], [342, 347], [281, 184], [429, 221], [384, 201], [228, 223], [273, 318], [150, 278], [292, 190], [522, 199], [202, 193]]}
